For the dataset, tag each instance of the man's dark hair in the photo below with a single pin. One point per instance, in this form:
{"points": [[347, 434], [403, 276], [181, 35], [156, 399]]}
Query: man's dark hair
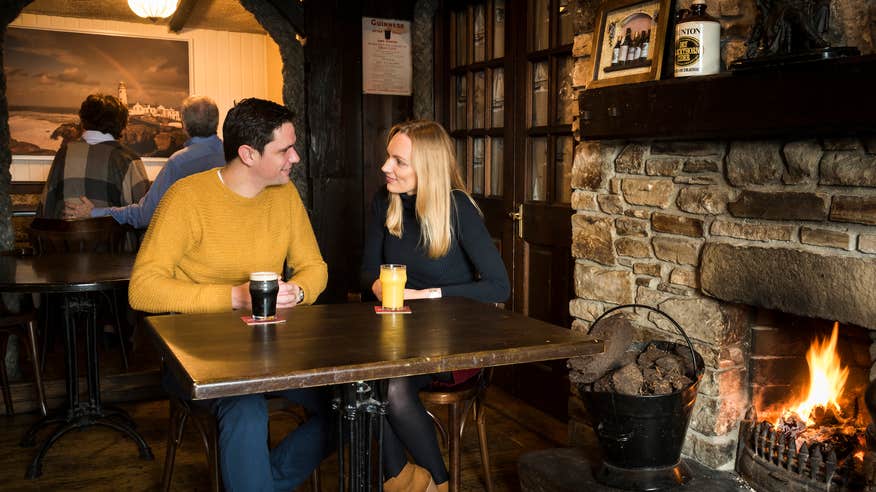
{"points": [[103, 113], [252, 122], [200, 116]]}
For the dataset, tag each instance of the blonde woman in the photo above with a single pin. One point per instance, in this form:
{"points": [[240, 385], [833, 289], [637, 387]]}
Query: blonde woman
{"points": [[425, 220]]}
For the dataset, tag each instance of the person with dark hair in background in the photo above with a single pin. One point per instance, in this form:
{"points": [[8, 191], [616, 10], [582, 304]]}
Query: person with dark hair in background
{"points": [[97, 166], [203, 151], [210, 231]]}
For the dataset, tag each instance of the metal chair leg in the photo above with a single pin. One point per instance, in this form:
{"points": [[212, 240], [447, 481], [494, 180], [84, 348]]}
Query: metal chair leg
{"points": [[213, 460], [4, 378], [441, 430], [174, 438], [315, 481], [46, 331], [31, 343], [455, 445], [481, 421], [119, 330]]}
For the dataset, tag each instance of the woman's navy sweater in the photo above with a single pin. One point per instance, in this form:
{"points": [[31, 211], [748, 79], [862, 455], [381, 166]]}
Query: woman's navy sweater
{"points": [[472, 267]]}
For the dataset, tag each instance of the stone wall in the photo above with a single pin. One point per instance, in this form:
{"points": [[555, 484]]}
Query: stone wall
{"points": [[647, 211]]}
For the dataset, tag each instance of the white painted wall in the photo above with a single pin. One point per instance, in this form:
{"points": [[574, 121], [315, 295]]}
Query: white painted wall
{"points": [[226, 66]]}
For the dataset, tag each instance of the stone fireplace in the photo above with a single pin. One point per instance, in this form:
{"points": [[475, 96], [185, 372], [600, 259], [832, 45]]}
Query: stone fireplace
{"points": [[754, 230], [742, 242]]}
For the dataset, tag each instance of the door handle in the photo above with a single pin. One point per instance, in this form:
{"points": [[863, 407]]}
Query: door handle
{"points": [[518, 217]]}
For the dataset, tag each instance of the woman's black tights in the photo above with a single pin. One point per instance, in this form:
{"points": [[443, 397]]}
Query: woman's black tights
{"points": [[411, 428]]}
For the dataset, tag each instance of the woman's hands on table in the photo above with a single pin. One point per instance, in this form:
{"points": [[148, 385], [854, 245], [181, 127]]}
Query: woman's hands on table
{"points": [[410, 294]]}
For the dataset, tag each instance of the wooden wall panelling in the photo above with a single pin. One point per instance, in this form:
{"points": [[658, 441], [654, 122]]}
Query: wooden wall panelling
{"points": [[334, 111], [348, 131]]}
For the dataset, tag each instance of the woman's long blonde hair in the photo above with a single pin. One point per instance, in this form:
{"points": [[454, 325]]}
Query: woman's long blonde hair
{"points": [[433, 160]]}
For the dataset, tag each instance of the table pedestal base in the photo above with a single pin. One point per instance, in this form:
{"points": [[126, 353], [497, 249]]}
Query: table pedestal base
{"points": [[112, 418], [81, 414], [360, 406]]}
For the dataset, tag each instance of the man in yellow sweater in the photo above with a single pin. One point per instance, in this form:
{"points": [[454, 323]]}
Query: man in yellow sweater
{"points": [[208, 233]]}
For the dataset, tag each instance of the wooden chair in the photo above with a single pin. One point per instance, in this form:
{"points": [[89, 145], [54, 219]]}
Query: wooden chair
{"points": [[21, 325], [94, 235], [208, 428], [460, 399]]}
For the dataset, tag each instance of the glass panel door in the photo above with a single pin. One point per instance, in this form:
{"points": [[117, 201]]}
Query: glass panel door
{"points": [[551, 101], [477, 103]]}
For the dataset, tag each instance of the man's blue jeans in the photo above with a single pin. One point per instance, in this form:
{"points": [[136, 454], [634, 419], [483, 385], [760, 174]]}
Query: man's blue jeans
{"points": [[244, 459]]}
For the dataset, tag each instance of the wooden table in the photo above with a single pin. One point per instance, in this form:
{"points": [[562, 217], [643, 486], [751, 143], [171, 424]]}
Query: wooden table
{"points": [[76, 276], [217, 355]]}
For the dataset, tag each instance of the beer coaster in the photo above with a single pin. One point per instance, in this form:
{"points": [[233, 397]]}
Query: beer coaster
{"points": [[380, 310], [248, 320]]}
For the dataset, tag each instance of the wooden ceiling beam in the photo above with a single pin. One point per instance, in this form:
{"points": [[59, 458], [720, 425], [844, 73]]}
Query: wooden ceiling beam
{"points": [[293, 12], [181, 16], [10, 10]]}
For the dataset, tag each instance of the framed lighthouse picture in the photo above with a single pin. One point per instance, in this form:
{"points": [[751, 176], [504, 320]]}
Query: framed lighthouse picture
{"points": [[49, 73]]}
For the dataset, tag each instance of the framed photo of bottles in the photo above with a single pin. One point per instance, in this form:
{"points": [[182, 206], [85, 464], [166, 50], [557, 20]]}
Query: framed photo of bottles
{"points": [[628, 41]]}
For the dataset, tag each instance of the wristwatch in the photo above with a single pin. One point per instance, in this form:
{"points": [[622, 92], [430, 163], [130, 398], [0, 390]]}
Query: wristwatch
{"points": [[300, 295]]}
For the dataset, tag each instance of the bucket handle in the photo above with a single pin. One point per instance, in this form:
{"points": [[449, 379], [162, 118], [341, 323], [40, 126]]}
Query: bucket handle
{"points": [[693, 354]]}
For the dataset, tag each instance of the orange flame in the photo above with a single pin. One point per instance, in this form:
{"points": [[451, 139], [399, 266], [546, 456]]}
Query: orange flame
{"points": [[827, 378]]}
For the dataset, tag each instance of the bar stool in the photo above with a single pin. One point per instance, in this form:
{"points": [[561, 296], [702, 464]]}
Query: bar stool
{"points": [[460, 399], [208, 428]]}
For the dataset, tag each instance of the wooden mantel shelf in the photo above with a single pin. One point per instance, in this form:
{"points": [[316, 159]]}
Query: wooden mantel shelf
{"points": [[835, 97]]}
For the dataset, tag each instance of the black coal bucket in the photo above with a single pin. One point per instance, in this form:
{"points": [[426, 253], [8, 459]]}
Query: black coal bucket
{"points": [[641, 436]]}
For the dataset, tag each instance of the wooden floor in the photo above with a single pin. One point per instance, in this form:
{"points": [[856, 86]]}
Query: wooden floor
{"points": [[100, 459]]}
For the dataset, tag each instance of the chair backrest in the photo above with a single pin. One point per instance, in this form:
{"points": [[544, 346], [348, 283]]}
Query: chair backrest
{"points": [[95, 235]]}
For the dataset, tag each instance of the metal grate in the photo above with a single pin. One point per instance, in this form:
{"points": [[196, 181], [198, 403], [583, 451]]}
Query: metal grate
{"points": [[770, 461]]}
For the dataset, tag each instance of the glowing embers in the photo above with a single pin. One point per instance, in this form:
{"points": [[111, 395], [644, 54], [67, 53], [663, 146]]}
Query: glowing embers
{"points": [[813, 442]]}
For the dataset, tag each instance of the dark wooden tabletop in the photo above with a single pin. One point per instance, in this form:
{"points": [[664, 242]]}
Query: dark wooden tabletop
{"points": [[77, 272], [216, 355]]}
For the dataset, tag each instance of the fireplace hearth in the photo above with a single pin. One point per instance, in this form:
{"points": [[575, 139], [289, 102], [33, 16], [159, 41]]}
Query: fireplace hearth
{"points": [[814, 439]]}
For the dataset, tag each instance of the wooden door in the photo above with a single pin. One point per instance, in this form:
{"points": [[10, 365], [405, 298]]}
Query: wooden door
{"points": [[510, 109], [476, 112]]}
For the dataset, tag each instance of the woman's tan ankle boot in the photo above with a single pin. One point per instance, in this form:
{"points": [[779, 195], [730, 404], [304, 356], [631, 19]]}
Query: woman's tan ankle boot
{"points": [[443, 487], [412, 478], [422, 481], [403, 481]]}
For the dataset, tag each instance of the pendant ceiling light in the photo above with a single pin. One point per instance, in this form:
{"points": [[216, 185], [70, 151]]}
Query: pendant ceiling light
{"points": [[153, 9]]}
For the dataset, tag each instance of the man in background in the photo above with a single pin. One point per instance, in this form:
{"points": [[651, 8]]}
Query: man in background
{"points": [[203, 151], [97, 166]]}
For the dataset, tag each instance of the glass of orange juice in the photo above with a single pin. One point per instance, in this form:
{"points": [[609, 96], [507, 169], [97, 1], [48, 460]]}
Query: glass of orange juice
{"points": [[392, 283]]}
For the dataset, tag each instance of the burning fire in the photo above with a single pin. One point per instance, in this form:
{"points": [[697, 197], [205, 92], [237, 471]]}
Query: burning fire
{"points": [[827, 379]]}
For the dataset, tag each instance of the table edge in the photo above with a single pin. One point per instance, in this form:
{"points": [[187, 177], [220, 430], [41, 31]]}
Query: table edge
{"points": [[415, 366]]}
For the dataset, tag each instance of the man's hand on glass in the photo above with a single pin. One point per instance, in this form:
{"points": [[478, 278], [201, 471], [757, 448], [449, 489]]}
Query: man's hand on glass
{"points": [[77, 209], [289, 295]]}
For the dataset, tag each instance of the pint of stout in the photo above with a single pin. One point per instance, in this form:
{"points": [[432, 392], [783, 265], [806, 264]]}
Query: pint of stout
{"points": [[263, 288]]}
